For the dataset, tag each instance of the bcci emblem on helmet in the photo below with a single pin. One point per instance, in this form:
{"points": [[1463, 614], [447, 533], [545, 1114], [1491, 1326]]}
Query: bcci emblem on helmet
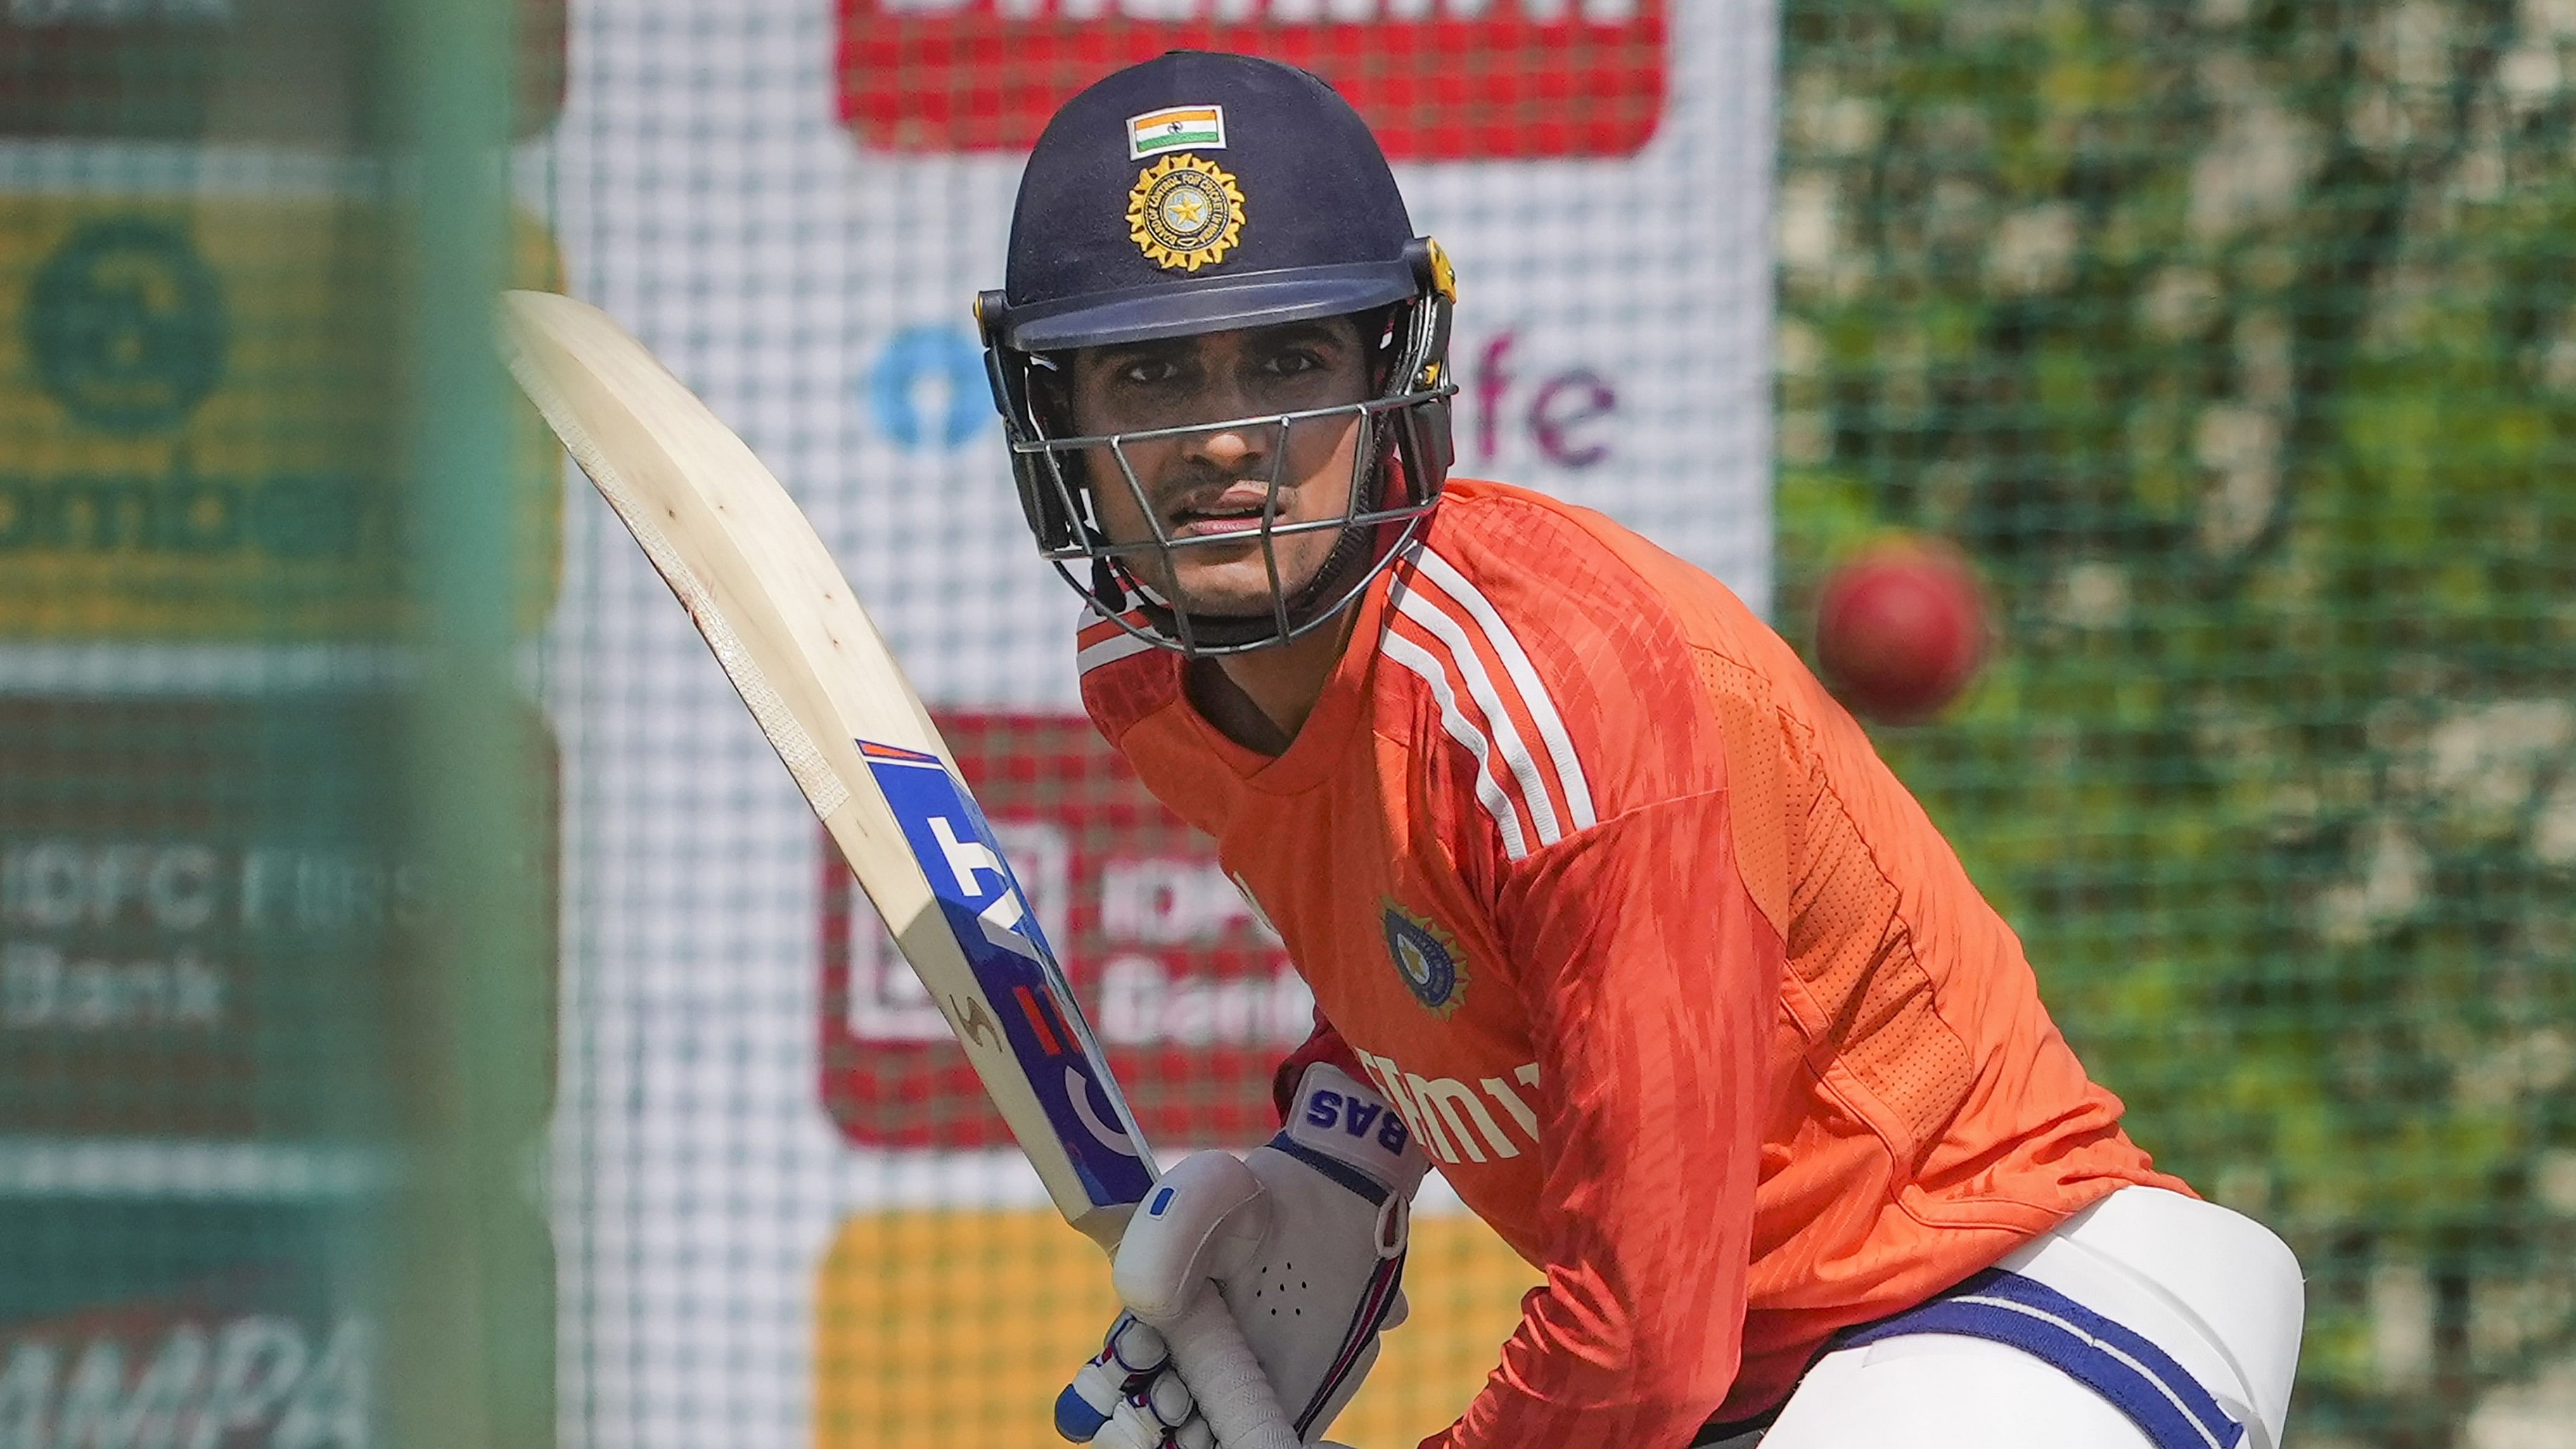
{"points": [[1185, 213], [1427, 958]]}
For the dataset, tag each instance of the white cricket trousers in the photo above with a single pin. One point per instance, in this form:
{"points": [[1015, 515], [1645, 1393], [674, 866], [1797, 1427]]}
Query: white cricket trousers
{"points": [[2129, 1290]]}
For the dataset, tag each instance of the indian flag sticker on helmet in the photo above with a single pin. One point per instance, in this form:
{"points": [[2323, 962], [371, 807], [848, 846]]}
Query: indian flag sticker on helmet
{"points": [[1175, 128]]}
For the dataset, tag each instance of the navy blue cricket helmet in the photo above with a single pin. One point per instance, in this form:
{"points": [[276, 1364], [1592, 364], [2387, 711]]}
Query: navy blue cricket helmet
{"points": [[1202, 192]]}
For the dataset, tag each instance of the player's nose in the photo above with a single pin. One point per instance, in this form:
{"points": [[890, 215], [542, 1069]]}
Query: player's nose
{"points": [[1234, 449]]}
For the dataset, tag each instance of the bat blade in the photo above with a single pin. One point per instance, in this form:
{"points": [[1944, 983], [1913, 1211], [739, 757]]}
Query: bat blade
{"points": [[801, 651]]}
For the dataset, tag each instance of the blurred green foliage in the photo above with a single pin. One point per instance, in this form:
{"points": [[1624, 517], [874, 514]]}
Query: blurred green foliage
{"points": [[2237, 342]]}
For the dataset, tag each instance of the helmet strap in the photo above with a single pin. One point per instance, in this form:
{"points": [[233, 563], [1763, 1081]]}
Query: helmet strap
{"points": [[1108, 594]]}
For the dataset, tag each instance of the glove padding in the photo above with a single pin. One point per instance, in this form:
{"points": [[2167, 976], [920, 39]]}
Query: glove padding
{"points": [[1130, 1397], [1305, 1239]]}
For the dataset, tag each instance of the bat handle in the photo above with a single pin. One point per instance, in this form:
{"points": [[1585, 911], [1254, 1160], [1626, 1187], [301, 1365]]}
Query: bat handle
{"points": [[1233, 1394]]}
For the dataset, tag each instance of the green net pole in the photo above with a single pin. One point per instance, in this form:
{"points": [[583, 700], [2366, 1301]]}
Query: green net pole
{"points": [[470, 1333]]}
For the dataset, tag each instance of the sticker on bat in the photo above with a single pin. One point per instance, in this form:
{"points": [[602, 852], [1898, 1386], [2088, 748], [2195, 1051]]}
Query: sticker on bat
{"points": [[1025, 993]]}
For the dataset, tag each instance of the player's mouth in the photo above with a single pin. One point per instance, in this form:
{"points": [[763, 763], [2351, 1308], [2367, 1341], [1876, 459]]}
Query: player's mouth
{"points": [[1236, 508]]}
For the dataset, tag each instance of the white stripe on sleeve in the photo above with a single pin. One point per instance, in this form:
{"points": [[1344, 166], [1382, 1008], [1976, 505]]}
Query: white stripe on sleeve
{"points": [[1516, 663], [1422, 662], [1480, 685]]}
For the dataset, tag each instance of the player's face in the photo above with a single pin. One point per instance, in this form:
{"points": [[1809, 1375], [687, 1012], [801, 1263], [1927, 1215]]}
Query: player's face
{"points": [[1211, 484]]}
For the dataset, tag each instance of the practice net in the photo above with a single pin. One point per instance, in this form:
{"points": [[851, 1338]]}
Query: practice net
{"points": [[2233, 341]]}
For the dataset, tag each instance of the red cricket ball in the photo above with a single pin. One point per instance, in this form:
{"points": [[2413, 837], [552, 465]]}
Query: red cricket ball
{"points": [[1901, 629]]}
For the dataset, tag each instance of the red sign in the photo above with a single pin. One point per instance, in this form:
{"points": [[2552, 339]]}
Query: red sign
{"points": [[1190, 993], [1438, 79]]}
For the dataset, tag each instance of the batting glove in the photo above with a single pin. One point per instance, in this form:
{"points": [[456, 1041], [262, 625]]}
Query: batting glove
{"points": [[1305, 1239]]}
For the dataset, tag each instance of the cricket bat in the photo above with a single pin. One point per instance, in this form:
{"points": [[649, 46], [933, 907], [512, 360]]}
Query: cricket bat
{"points": [[801, 651]]}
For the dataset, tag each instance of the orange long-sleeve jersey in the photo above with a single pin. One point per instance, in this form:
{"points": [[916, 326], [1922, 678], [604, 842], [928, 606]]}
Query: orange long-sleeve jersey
{"points": [[1679, 986]]}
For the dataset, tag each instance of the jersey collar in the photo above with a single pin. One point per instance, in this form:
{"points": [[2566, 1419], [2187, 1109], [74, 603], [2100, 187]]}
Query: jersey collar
{"points": [[1320, 743]]}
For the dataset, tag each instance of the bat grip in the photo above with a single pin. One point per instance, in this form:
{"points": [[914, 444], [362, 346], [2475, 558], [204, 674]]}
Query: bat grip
{"points": [[1233, 1395]]}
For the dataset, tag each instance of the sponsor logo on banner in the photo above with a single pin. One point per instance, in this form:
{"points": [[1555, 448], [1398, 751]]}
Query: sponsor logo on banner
{"points": [[207, 1322], [1190, 994], [225, 1319], [173, 70], [172, 957], [1437, 79], [202, 439], [184, 1377]]}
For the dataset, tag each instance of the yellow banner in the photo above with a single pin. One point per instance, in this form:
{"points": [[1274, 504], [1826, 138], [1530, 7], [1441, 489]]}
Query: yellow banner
{"points": [[955, 1329], [201, 428]]}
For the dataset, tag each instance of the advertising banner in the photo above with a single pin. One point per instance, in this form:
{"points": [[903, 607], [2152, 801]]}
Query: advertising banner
{"points": [[1439, 80], [228, 1334], [229, 70], [206, 922], [191, 405]]}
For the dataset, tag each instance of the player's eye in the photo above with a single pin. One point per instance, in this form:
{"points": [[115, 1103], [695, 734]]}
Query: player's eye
{"points": [[1292, 363], [1147, 371]]}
